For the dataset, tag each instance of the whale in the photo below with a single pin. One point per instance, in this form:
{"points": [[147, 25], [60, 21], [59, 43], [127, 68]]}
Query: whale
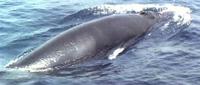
{"points": [[86, 40]]}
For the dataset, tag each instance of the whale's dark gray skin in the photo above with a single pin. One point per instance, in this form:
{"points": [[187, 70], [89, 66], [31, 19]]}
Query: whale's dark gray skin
{"points": [[86, 40]]}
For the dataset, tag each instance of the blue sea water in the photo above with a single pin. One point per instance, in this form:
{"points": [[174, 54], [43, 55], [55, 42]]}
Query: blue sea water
{"points": [[26, 24]]}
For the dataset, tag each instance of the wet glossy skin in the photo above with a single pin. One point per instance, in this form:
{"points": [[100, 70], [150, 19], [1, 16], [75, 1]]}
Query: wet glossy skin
{"points": [[86, 40]]}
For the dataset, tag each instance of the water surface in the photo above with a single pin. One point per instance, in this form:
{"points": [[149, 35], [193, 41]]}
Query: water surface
{"points": [[167, 56]]}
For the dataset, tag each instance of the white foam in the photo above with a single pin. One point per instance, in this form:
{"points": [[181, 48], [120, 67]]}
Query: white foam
{"points": [[181, 14]]}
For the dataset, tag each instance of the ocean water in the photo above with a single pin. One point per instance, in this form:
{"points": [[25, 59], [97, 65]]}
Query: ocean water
{"points": [[167, 55]]}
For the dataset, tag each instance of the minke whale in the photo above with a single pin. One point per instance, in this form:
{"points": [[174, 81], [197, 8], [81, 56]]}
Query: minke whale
{"points": [[86, 40]]}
